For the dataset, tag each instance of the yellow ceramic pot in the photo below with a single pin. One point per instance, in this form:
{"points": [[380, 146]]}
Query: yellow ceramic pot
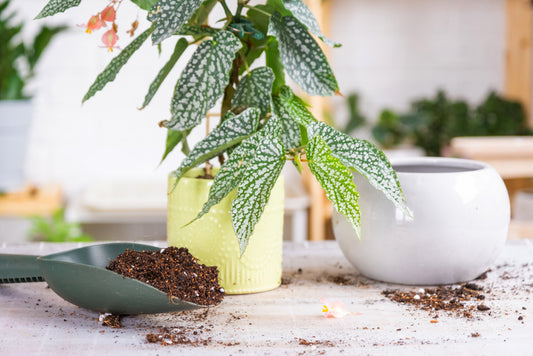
{"points": [[212, 239]]}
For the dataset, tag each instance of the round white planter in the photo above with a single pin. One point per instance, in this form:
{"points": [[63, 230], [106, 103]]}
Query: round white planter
{"points": [[461, 215]]}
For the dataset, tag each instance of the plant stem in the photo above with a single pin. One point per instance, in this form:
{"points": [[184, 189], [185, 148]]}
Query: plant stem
{"points": [[245, 62], [240, 5], [229, 15]]}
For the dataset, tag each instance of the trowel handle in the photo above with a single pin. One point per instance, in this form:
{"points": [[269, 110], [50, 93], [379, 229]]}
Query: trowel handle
{"points": [[19, 269]]}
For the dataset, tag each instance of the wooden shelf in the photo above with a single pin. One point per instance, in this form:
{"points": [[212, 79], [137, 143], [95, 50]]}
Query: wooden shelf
{"points": [[31, 201]]}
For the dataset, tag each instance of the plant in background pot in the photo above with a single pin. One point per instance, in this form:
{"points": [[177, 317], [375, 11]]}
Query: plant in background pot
{"points": [[18, 61], [431, 123], [234, 221]]}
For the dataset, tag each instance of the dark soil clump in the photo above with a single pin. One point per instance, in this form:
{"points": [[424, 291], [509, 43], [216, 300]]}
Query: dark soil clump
{"points": [[456, 301], [112, 320], [174, 271]]}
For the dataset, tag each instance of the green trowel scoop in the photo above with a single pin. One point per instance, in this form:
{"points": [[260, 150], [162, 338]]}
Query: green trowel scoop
{"points": [[79, 276]]}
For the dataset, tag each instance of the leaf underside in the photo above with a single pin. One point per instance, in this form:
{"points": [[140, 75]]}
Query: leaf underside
{"points": [[180, 47], [173, 139]]}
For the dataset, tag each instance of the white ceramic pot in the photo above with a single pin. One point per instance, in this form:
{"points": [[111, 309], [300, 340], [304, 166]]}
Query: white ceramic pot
{"points": [[461, 215]]}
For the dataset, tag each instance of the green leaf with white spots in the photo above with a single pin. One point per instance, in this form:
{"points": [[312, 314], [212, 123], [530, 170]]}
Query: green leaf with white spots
{"points": [[233, 130], [336, 180], [365, 158], [306, 17], [203, 80], [180, 47], [110, 72], [169, 15], [254, 91], [56, 6], [230, 174], [302, 57], [198, 31], [272, 128], [173, 139], [295, 107], [290, 135], [254, 189], [232, 171]]}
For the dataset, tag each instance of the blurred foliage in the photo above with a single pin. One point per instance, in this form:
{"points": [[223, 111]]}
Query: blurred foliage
{"points": [[18, 59], [355, 119], [432, 123], [56, 229]]}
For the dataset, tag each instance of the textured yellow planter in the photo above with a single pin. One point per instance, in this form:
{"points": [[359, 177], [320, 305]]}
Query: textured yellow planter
{"points": [[212, 240]]}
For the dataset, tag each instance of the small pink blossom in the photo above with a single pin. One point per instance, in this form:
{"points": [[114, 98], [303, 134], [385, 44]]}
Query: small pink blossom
{"points": [[94, 23], [335, 309], [108, 14], [109, 39]]}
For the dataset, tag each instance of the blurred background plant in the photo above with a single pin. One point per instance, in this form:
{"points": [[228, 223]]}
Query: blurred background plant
{"points": [[56, 229], [432, 122], [355, 118], [18, 60]]}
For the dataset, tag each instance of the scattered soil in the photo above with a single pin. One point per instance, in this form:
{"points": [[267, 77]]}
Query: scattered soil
{"points": [[174, 271], [305, 342], [177, 336], [459, 301]]}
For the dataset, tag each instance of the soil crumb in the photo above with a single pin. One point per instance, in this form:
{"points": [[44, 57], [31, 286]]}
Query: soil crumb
{"points": [[111, 320], [174, 271], [459, 301], [177, 336]]}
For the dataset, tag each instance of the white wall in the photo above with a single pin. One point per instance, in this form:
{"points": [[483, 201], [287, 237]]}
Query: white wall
{"points": [[393, 51], [397, 50], [106, 137]]}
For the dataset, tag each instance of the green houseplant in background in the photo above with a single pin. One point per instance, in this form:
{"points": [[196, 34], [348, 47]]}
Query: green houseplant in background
{"points": [[56, 229], [431, 123], [263, 124], [18, 61]]}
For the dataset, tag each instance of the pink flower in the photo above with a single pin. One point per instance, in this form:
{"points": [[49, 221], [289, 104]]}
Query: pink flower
{"points": [[109, 39], [108, 14], [94, 23], [334, 310]]}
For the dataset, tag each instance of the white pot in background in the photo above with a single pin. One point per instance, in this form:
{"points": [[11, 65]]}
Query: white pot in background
{"points": [[461, 215], [15, 122]]}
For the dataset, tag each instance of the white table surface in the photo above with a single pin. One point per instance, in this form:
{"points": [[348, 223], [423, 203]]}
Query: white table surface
{"points": [[35, 321]]}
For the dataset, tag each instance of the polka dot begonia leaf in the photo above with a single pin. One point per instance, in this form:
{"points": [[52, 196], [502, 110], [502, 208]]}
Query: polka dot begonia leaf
{"points": [[306, 17], [203, 80], [233, 129], [169, 15], [56, 6], [302, 57], [336, 180]]}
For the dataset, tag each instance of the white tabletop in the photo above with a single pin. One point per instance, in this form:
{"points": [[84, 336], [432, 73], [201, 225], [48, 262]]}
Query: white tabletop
{"points": [[287, 320]]}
